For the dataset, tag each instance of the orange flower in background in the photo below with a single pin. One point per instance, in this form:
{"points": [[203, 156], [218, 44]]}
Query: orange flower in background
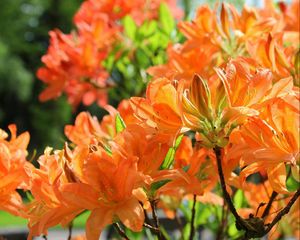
{"points": [[12, 169], [116, 9], [214, 37], [73, 64], [272, 54]]}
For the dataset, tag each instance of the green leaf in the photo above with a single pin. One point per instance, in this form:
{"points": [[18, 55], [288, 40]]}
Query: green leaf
{"points": [[171, 154], [166, 19], [157, 185], [147, 29], [169, 158], [178, 141], [232, 230], [238, 198], [129, 27], [120, 124], [142, 58], [29, 196], [107, 149], [134, 235], [292, 184], [186, 231]]}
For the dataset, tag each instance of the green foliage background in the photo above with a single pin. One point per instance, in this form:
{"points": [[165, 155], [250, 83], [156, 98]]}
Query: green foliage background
{"points": [[24, 39]]}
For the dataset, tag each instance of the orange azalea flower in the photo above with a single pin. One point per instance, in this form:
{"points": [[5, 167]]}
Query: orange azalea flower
{"points": [[116, 9], [109, 198], [196, 167], [248, 85], [85, 131], [145, 147], [271, 53], [214, 108], [291, 15], [49, 208], [268, 143], [72, 63], [205, 110], [88, 130], [185, 60], [214, 38], [79, 237], [12, 169], [160, 109]]}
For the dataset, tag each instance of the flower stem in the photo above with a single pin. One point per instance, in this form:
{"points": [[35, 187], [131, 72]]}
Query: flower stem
{"points": [[192, 233], [226, 195], [156, 221], [70, 227], [269, 205], [283, 211]]}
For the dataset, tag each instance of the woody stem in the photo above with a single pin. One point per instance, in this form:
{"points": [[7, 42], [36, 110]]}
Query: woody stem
{"points": [[70, 227], [156, 221], [226, 195], [268, 207], [193, 218]]}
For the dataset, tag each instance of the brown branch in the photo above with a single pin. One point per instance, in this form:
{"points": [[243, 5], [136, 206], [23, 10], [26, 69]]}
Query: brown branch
{"points": [[192, 233], [70, 227], [153, 229], [120, 231], [156, 221], [147, 219], [283, 211], [269, 205], [253, 226], [226, 195]]}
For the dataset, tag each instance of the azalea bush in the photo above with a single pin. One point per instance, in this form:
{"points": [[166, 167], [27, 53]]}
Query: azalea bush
{"points": [[205, 132]]}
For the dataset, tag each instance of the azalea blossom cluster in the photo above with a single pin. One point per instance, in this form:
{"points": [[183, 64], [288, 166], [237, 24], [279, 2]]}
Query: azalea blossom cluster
{"points": [[226, 102], [74, 61]]}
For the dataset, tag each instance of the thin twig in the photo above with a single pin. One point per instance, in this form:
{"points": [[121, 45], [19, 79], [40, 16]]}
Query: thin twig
{"points": [[147, 219], [254, 226], [153, 229], [192, 233], [120, 231], [283, 211], [70, 228], [269, 205], [156, 221]]}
